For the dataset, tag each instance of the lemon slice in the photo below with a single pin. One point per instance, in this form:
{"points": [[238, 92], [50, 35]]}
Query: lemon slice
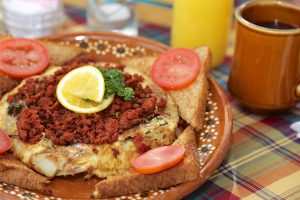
{"points": [[85, 82], [82, 90]]}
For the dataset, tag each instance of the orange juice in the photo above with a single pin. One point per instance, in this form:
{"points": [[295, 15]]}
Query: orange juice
{"points": [[202, 22]]}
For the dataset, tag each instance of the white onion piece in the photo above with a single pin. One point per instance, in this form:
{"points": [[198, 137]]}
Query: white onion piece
{"points": [[45, 166]]}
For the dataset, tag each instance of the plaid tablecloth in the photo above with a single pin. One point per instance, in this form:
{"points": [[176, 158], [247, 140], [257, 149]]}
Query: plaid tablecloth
{"points": [[264, 158]]}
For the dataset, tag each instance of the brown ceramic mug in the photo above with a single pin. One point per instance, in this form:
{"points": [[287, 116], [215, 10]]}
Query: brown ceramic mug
{"points": [[265, 73]]}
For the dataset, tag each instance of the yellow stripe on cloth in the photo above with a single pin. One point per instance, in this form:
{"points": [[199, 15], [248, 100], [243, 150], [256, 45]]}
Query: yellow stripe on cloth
{"points": [[255, 154], [77, 3], [280, 186]]}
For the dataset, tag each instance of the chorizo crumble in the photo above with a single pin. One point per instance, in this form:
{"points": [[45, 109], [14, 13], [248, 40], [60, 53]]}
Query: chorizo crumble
{"points": [[44, 117]]}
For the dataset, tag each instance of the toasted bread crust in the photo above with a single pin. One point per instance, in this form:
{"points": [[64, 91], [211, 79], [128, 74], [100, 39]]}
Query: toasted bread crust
{"points": [[12, 171], [205, 54], [60, 54], [133, 182], [197, 121], [191, 101]]}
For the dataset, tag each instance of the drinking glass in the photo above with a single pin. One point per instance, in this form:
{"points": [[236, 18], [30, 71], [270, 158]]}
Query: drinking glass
{"points": [[202, 22], [112, 15]]}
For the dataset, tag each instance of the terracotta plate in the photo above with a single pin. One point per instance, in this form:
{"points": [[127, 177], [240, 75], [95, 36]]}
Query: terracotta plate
{"points": [[213, 141]]}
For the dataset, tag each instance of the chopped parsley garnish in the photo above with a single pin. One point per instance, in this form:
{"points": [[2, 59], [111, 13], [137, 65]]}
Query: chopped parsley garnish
{"points": [[114, 84], [86, 100]]}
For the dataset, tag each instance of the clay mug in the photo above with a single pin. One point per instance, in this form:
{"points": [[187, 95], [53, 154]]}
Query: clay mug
{"points": [[265, 72]]}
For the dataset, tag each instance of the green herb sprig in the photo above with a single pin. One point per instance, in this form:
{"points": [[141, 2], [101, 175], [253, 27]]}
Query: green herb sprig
{"points": [[114, 84]]}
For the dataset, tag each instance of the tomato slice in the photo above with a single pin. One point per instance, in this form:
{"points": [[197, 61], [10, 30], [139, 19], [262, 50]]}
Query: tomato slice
{"points": [[158, 159], [21, 58], [5, 143], [176, 69]]}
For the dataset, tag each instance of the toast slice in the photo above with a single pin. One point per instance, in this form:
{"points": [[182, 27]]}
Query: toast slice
{"points": [[133, 182], [12, 171], [60, 54], [191, 101]]}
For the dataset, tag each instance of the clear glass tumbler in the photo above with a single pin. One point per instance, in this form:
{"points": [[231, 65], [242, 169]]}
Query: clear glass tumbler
{"points": [[112, 15]]}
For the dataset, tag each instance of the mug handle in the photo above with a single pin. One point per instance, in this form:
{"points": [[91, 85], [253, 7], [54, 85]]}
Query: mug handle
{"points": [[298, 90]]}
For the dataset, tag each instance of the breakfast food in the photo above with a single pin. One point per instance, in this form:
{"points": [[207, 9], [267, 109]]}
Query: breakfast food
{"points": [[52, 139], [96, 135]]}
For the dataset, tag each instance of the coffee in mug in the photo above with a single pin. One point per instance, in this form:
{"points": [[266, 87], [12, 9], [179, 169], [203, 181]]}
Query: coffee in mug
{"points": [[265, 72]]}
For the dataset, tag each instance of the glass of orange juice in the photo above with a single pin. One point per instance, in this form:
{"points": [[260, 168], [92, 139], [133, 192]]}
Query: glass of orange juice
{"points": [[202, 22]]}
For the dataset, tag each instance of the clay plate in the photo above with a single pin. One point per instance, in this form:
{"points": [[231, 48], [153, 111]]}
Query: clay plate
{"points": [[213, 141]]}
